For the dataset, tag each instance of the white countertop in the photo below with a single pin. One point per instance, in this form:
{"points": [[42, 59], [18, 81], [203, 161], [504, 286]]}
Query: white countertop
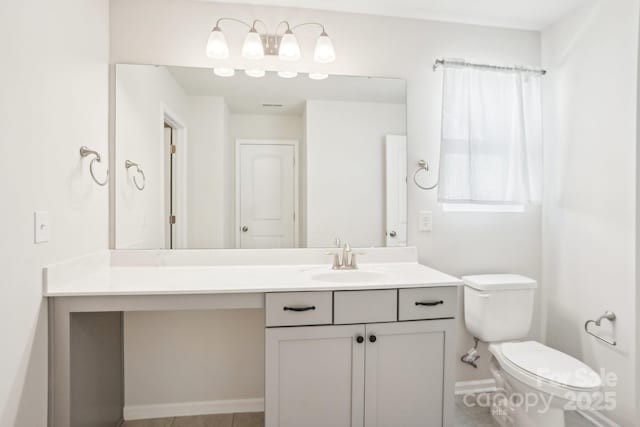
{"points": [[236, 279]]}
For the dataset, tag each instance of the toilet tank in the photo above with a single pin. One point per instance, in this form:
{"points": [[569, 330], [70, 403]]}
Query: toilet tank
{"points": [[498, 307]]}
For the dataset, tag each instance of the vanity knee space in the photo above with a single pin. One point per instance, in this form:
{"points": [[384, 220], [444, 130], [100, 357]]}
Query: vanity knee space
{"points": [[382, 359]]}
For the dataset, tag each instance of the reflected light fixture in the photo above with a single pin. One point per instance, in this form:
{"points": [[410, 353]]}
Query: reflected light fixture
{"points": [[256, 73], [282, 43], [318, 76], [224, 71], [288, 74]]}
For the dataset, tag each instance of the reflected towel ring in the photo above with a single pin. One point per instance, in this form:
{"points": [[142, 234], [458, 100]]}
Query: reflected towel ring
{"points": [[422, 166], [84, 152], [128, 164]]}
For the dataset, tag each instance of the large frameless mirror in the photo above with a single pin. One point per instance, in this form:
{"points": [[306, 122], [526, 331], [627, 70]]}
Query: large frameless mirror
{"points": [[204, 161]]}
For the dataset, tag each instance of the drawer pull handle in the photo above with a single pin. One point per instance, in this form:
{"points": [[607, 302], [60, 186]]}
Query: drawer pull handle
{"points": [[307, 308], [429, 303]]}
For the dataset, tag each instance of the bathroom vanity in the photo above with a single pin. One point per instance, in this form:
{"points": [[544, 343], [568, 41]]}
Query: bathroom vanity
{"points": [[367, 347]]}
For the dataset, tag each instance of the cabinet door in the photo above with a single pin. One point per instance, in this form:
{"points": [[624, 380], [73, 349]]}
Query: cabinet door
{"points": [[314, 376], [405, 374]]}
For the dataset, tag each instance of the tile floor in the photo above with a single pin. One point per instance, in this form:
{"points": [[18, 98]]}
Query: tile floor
{"points": [[464, 417]]}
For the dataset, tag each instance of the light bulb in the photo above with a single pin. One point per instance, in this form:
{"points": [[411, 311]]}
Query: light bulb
{"points": [[287, 74], [252, 47], [318, 76], [217, 46], [324, 52], [255, 73], [224, 72], [289, 49]]}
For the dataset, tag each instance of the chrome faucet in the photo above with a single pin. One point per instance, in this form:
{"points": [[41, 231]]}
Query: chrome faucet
{"points": [[345, 262]]}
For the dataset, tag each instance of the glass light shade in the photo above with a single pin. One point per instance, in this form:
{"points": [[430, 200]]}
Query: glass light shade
{"points": [[289, 49], [252, 47], [318, 76], [324, 52], [224, 72], [287, 74], [217, 46], [255, 73]]}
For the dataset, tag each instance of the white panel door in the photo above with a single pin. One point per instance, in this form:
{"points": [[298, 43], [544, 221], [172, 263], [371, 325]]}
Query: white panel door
{"points": [[266, 196], [404, 374], [396, 190], [314, 376]]}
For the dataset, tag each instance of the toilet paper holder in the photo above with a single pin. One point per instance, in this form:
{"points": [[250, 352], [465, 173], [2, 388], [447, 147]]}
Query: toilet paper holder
{"points": [[608, 315]]}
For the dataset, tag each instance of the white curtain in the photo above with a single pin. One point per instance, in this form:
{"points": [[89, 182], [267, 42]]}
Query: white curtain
{"points": [[491, 150]]}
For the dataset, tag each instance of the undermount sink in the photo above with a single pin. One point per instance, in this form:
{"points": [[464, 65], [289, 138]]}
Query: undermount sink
{"points": [[349, 276]]}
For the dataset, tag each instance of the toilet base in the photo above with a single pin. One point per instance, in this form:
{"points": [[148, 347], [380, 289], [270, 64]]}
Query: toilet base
{"points": [[517, 405]]}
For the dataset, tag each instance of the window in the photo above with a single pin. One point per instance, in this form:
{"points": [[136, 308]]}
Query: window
{"points": [[491, 152]]}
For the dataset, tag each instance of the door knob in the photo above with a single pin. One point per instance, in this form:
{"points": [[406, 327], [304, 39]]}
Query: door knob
{"points": [[372, 338], [393, 234], [245, 228], [360, 339]]}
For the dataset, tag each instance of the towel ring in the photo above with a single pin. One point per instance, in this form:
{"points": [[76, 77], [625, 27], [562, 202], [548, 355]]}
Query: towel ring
{"points": [[608, 315], [422, 166], [84, 152], [128, 164]]}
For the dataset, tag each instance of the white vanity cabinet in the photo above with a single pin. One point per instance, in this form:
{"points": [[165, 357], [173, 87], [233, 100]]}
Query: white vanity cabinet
{"points": [[372, 373]]}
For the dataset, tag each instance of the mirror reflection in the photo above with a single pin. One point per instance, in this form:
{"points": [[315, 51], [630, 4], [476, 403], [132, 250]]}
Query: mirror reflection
{"points": [[203, 161]]}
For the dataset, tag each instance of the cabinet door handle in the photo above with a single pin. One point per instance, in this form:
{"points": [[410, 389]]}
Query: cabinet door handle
{"points": [[429, 303], [360, 339], [307, 308], [372, 338]]}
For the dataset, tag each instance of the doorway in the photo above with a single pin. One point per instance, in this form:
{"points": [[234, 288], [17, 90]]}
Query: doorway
{"points": [[267, 194]]}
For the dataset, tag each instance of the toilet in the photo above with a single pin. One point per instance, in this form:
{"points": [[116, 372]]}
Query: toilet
{"points": [[536, 384]]}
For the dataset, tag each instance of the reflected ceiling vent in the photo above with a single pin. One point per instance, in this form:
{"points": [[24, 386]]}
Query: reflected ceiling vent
{"points": [[271, 105]]}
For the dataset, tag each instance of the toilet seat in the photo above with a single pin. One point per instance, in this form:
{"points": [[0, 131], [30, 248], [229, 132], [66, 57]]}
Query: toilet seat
{"points": [[545, 369]]}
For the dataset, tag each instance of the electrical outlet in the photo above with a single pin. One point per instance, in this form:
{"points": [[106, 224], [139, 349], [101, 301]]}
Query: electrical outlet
{"points": [[425, 221], [41, 231]]}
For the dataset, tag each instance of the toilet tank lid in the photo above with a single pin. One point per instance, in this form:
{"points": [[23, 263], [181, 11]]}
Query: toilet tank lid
{"points": [[499, 282]]}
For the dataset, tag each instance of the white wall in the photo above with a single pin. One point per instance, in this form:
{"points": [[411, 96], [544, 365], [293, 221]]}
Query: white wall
{"points": [[143, 94], [589, 206], [193, 356], [206, 174], [347, 199], [54, 100], [460, 243]]}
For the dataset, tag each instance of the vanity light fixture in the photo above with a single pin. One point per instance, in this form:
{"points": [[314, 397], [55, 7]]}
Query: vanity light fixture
{"points": [[257, 44]]}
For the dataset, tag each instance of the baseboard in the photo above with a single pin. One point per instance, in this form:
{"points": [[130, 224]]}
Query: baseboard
{"points": [[163, 410], [598, 419], [473, 387]]}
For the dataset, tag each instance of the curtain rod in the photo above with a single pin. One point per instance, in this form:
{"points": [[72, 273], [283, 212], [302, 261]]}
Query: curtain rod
{"points": [[463, 63]]}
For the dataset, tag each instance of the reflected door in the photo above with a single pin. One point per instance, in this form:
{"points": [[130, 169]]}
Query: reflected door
{"points": [[266, 194], [396, 190]]}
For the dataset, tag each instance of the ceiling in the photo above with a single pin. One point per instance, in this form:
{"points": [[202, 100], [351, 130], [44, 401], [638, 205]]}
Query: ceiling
{"points": [[246, 95], [522, 14]]}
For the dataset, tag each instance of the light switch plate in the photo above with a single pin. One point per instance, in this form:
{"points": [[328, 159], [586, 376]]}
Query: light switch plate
{"points": [[425, 221], [41, 226]]}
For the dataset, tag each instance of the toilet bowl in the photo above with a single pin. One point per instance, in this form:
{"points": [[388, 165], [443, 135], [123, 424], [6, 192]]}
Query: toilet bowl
{"points": [[536, 384]]}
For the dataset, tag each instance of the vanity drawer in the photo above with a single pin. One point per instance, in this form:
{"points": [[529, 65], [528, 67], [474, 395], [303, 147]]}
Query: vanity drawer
{"points": [[365, 306], [298, 308], [427, 303]]}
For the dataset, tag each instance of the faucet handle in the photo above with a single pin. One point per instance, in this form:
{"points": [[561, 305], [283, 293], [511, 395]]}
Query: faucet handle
{"points": [[336, 260]]}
